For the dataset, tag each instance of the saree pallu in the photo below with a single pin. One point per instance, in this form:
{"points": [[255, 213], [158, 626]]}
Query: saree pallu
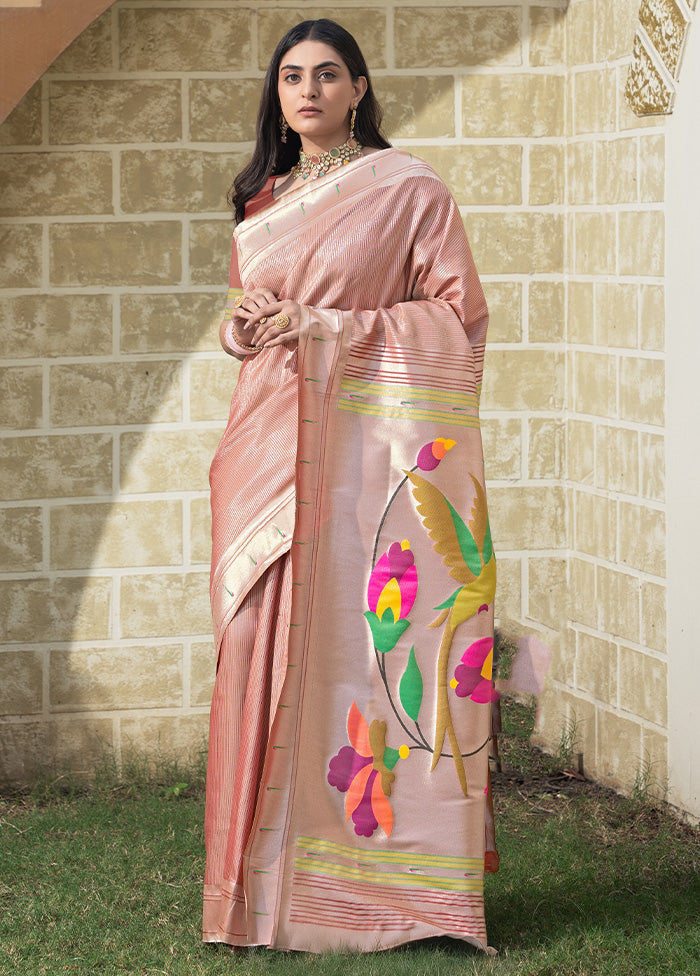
{"points": [[352, 557]]}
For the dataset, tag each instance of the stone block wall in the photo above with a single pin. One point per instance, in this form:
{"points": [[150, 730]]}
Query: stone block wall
{"points": [[609, 678], [116, 242]]}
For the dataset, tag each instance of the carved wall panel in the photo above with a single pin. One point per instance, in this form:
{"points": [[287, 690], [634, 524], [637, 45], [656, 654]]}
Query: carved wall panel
{"points": [[656, 55]]}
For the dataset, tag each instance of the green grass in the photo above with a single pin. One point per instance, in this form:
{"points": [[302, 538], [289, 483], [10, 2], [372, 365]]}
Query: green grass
{"points": [[108, 881]]}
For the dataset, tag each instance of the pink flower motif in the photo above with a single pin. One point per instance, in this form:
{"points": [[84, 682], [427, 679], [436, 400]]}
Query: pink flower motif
{"points": [[473, 676], [430, 455], [391, 593]]}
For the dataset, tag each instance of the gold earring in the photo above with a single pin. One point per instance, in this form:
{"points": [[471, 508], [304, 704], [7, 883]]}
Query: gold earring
{"points": [[284, 125], [352, 124]]}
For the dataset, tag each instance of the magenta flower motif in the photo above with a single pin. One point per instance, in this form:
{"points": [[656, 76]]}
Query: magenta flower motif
{"points": [[430, 455], [391, 593], [473, 676]]}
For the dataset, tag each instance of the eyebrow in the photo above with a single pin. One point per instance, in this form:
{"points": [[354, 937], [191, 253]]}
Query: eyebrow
{"points": [[298, 67]]}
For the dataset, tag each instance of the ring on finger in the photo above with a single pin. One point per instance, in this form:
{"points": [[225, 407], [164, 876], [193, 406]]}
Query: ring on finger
{"points": [[238, 301], [281, 320], [263, 320]]}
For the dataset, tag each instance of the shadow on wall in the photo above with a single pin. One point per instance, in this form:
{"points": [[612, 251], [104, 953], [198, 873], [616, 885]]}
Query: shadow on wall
{"points": [[119, 246]]}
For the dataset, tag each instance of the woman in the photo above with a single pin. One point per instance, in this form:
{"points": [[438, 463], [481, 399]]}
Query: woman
{"points": [[352, 570]]}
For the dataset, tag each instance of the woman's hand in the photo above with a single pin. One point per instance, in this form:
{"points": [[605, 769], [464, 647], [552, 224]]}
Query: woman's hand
{"points": [[254, 320]]}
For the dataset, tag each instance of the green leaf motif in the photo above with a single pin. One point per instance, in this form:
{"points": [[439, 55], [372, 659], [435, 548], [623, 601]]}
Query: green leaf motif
{"points": [[385, 633], [469, 548], [446, 604], [391, 757], [488, 544], [411, 687]]}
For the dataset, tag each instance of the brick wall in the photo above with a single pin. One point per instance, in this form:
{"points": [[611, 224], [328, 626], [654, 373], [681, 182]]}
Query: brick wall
{"points": [[115, 168]]}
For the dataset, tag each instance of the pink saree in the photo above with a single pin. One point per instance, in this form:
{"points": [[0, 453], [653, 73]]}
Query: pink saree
{"points": [[353, 579]]}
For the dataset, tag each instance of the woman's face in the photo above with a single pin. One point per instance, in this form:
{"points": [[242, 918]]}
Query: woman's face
{"points": [[317, 94]]}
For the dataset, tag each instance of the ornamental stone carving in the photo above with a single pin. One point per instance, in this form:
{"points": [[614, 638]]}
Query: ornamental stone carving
{"points": [[656, 55]]}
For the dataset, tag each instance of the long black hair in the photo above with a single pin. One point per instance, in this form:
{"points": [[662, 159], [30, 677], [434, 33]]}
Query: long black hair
{"points": [[272, 156]]}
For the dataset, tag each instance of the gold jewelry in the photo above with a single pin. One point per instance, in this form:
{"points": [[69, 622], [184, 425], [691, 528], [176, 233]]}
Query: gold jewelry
{"points": [[238, 301], [351, 137], [263, 320], [244, 345], [281, 320], [317, 164], [284, 125]]}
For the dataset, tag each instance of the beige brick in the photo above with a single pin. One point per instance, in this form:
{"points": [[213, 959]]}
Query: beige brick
{"points": [[595, 375], [618, 600], [21, 688], [580, 22], [42, 326], [202, 672], [179, 460], [547, 36], [642, 242], [366, 24], [97, 394], [210, 251], [181, 737], [547, 591], [580, 448], [224, 109], [165, 605], [527, 517], [178, 323], [505, 310], [642, 538], [200, 530], [116, 254], [546, 175], [478, 175], [55, 610], [546, 448], [596, 246], [175, 180], [583, 605], [653, 317], [642, 390], [655, 746], [517, 243], [73, 746], [55, 466], [615, 26], [137, 676], [561, 715], [115, 112], [540, 384], [595, 525], [502, 439], [652, 168], [580, 321], [546, 318], [212, 382], [643, 686], [653, 467], [20, 397], [90, 52], [616, 314], [617, 456], [511, 105], [20, 246], [22, 127], [580, 171], [619, 750], [509, 589], [595, 100], [616, 171], [197, 39], [596, 668], [417, 107], [116, 534], [561, 666], [20, 540], [459, 37]]}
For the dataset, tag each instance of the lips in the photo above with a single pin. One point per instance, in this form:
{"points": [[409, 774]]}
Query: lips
{"points": [[309, 111]]}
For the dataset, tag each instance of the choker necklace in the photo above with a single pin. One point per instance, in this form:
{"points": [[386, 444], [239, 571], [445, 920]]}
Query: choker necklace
{"points": [[312, 165]]}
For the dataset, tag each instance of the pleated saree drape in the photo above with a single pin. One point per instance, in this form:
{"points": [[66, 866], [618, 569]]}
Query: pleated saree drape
{"points": [[353, 579]]}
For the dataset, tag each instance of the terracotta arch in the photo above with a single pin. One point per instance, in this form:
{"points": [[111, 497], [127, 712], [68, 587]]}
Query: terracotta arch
{"points": [[32, 37]]}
